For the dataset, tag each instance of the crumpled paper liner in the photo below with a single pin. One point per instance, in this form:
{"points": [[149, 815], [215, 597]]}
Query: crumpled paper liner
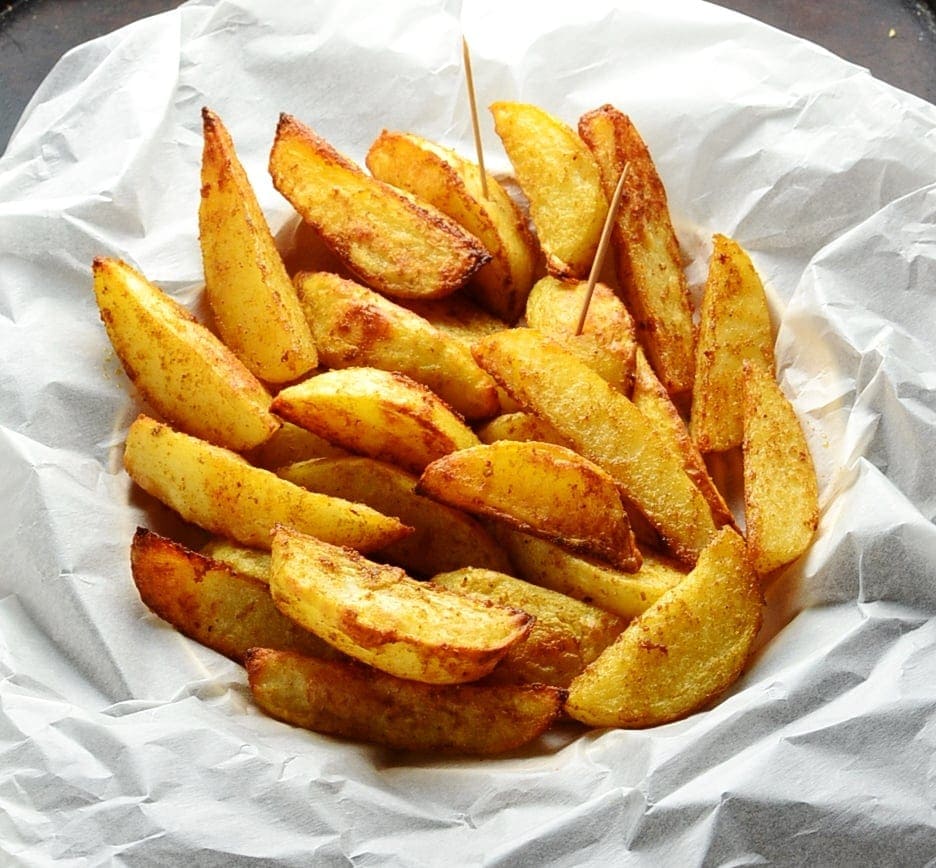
{"points": [[125, 743]]}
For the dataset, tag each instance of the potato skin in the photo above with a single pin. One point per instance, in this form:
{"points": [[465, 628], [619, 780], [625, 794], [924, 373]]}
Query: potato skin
{"points": [[357, 702], [377, 614], [220, 492], [647, 256], [453, 185], [781, 492], [541, 488], [179, 367], [210, 602], [561, 179], [420, 253], [682, 652], [252, 299]]}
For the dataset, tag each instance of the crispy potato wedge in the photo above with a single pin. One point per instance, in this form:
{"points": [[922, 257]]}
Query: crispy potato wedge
{"points": [[452, 184], [443, 538], [605, 427], [380, 616], [357, 327], [540, 488], [290, 444], [647, 256], [253, 301], [179, 367], [520, 426], [376, 413], [393, 243], [562, 181], [212, 603], [354, 701], [582, 578], [219, 491], [682, 652], [608, 342], [245, 560], [566, 635], [654, 402], [781, 494], [734, 327]]}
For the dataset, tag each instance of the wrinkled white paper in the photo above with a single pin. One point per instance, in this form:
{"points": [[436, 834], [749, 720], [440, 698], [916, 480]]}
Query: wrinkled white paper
{"points": [[122, 742]]}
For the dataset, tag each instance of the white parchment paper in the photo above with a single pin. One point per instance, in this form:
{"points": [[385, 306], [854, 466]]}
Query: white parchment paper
{"points": [[124, 743]]}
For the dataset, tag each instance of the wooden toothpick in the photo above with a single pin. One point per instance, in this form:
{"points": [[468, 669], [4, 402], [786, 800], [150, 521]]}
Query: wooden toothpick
{"points": [[473, 105], [602, 248]]}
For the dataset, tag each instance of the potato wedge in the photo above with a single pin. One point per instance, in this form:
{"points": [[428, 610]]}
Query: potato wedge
{"points": [[561, 179], [376, 413], [734, 327], [566, 635], [443, 538], [781, 494], [253, 301], [520, 426], [441, 177], [605, 427], [393, 243], [179, 367], [354, 701], [219, 491], [685, 650], [380, 616], [654, 402], [540, 488], [647, 256], [357, 327], [213, 604], [608, 342], [550, 566]]}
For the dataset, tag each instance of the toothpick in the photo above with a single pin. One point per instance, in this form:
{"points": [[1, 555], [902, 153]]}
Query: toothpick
{"points": [[473, 105], [602, 248]]}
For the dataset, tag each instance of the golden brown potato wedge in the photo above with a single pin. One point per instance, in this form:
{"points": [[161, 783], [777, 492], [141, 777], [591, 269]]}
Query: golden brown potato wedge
{"points": [[180, 368], [376, 413], [608, 342], [583, 578], [734, 327], [540, 488], [605, 427], [561, 179], [647, 254], [357, 327], [253, 301], [219, 491], [520, 426], [443, 538], [380, 616], [393, 243], [781, 494], [452, 184], [682, 652], [654, 402], [566, 635], [212, 603], [354, 701]]}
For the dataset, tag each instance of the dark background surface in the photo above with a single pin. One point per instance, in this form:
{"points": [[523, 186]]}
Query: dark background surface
{"points": [[894, 39]]}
